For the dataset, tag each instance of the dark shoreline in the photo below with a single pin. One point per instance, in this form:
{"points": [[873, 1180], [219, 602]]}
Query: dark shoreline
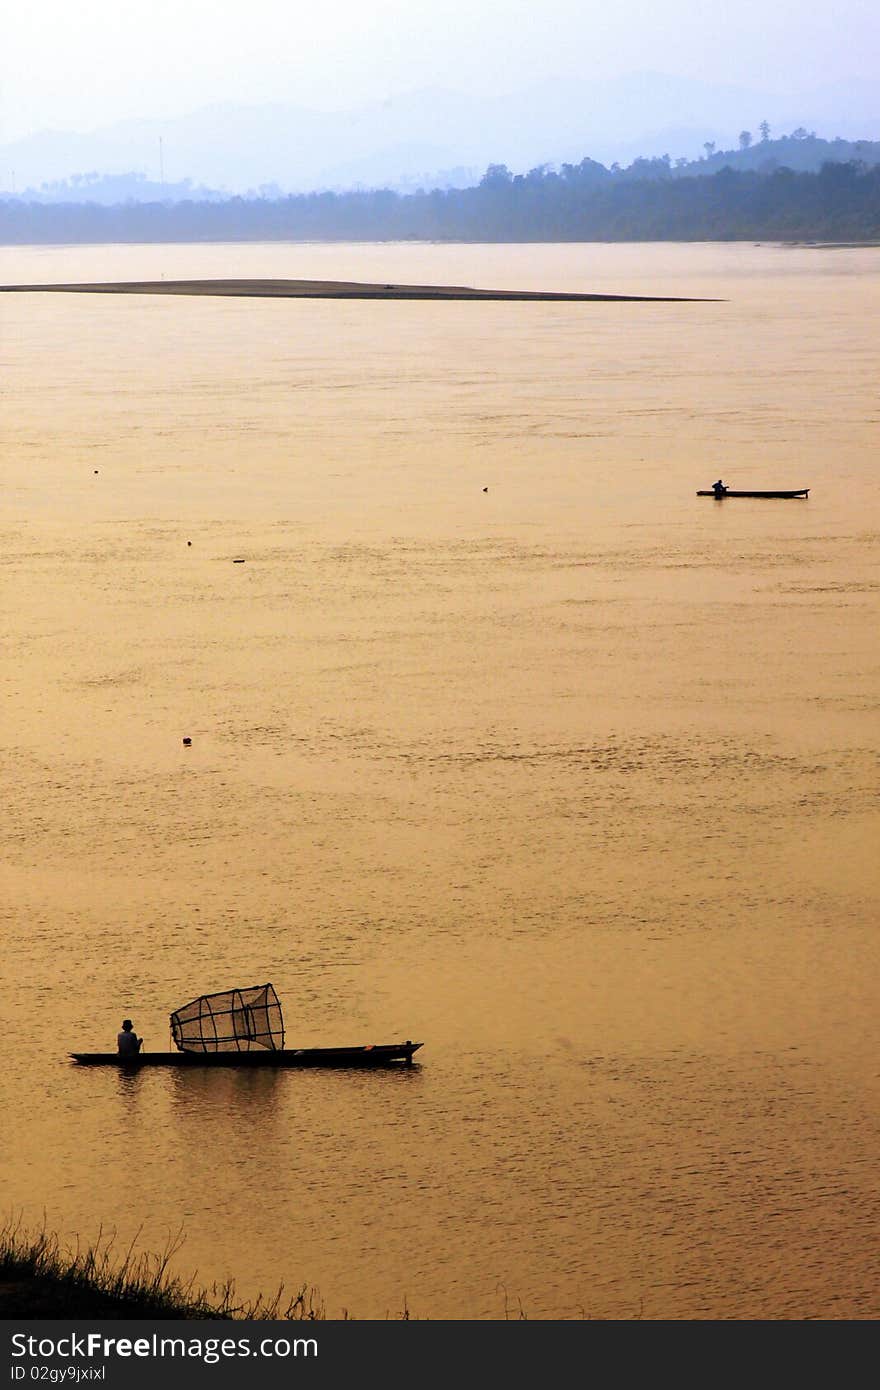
{"points": [[338, 289], [41, 1279]]}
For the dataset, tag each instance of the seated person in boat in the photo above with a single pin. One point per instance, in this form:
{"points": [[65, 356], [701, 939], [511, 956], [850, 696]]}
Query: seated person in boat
{"points": [[128, 1042], [719, 488]]}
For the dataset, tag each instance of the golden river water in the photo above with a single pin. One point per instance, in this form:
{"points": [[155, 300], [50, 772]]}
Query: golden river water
{"points": [[575, 778]]}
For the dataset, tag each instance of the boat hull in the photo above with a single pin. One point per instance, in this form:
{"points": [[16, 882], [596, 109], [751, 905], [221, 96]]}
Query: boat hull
{"points": [[376, 1056], [792, 492]]}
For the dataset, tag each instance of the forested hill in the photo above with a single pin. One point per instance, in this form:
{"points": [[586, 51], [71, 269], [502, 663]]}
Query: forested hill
{"points": [[802, 150], [584, 202]]}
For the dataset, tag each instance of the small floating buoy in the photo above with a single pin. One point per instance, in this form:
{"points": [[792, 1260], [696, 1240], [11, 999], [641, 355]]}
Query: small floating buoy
{"points": [[96, 470], [189, 542], [485, 489], [187, 742]]}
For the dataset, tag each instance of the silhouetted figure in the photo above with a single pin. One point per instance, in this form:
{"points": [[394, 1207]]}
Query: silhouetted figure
{"points": [[128, 1042], [719, 488]]}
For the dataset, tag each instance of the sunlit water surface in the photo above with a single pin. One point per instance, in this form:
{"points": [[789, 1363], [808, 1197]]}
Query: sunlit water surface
{"points": [[574, 778]]}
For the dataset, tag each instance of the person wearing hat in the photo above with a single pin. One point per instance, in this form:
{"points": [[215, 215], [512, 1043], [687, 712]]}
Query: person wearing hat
{"points": [[128, 1042]]}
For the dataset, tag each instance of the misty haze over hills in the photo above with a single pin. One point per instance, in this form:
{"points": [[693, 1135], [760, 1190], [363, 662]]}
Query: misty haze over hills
{"points": [[434, 137]]}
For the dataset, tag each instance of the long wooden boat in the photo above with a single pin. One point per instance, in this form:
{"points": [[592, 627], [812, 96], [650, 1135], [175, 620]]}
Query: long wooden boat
{"points": [[377, 1055], [243, 1028], [777, 492]]}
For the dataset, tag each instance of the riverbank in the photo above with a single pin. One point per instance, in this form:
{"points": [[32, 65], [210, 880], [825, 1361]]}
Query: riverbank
{"points": [[837, 202], [40, 1279]]}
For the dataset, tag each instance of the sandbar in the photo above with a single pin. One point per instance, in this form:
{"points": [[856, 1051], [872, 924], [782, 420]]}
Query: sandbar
{"points": [[334, 289]]}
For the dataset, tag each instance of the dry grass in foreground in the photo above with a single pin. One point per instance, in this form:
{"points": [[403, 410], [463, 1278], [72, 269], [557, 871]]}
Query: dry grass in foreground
{"points": [[41, 1279]]}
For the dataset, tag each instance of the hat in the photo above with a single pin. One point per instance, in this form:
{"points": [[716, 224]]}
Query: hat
{"points": [[127, 1023]]}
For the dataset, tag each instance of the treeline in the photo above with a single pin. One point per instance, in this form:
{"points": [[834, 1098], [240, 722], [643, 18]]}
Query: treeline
{"points": [[583, 202]]}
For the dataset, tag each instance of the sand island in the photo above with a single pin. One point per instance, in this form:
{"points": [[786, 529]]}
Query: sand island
{"points": [[334, 289]]}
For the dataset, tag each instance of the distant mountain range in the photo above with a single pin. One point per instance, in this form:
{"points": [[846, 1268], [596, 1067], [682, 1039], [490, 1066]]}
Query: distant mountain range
{"points": [[428, 138]]}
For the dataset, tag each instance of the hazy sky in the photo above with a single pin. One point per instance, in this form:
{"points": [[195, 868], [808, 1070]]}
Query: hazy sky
{"points": [[74, 64]]}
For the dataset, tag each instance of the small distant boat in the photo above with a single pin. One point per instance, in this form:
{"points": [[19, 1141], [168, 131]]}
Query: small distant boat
{"points": [[244, 1028], [775, 492]]}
